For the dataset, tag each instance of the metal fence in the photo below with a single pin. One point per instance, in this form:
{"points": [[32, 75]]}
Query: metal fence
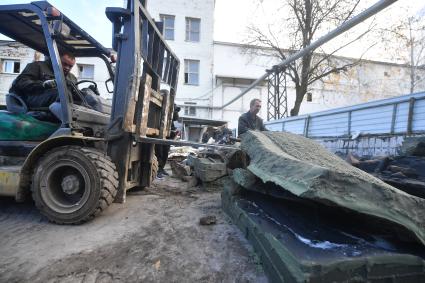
{"points": [[403, 115]]}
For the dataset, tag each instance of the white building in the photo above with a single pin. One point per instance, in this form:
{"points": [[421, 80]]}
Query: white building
{"points": [[234, 70], [13, 59], [189, 29]]}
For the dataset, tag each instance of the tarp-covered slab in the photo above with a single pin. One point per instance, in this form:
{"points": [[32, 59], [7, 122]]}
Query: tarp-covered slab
{"points": [[309, 171], [302, 243]]}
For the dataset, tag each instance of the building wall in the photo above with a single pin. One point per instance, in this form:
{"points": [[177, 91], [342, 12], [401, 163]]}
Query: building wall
{"points": [[365, 82], [202, 50], [233, 72], [12, 51], [100, 74], [228, 89]]}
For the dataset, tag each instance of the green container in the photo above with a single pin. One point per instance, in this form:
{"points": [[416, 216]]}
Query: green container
{"points": [[23, 127]]}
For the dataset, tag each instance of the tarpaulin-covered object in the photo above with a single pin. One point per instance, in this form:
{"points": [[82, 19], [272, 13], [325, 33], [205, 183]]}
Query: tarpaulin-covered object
{"points": [[308, 171]]}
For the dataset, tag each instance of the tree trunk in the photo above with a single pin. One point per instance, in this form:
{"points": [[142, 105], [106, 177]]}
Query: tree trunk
{"points": [[302, 85], [300, 91], [298, 100], [412, 60]]}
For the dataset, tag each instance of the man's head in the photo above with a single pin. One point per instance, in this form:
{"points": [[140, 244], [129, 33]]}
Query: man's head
{"points": [[67, 61], [255, 106]]}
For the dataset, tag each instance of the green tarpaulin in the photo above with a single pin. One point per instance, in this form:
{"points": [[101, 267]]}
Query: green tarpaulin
{"points": [[22, 127]]}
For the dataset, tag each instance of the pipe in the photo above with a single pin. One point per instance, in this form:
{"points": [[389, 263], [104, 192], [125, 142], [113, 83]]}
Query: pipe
{"points": [[377, 7]]}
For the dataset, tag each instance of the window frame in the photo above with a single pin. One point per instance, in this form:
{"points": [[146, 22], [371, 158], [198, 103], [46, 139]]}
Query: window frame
{"points": [[187, 71], [80, 73], [190, 110], [162, 17], [309, 97], [188, 29], [14, 61]]}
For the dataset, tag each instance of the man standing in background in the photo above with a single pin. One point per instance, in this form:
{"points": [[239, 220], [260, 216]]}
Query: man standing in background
{"points": [[161, 151], [250, 120]]}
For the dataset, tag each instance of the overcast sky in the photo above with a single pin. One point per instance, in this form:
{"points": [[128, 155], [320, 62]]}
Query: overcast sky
{"points": [[231, 16]]}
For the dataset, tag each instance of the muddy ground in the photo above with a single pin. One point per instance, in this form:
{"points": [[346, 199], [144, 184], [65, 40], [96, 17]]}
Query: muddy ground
{"points": [[154, 237]]}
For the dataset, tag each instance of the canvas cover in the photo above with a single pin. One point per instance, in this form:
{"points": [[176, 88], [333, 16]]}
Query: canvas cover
{"points": [[307, 170]]}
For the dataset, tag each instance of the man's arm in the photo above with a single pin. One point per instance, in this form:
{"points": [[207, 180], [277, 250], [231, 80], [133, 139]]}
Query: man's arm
{"points": [[28, 81], [262, 127], [72, 78], [71, 82], [242, 125]]}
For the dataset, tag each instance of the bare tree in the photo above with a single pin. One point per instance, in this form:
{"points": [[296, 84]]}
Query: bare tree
{"points": [[306, 21], [405, 42]]}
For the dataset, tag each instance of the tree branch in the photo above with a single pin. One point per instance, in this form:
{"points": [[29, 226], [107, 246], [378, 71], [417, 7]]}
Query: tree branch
{"points": [[328, 55]]}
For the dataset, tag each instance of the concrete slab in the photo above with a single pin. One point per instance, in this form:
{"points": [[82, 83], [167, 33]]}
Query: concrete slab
{"points": [[304, 243], [209, 169]]}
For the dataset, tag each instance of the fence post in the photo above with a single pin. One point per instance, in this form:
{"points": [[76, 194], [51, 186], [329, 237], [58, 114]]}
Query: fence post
{"points": [[410, 115], [393, 118], [306, 125], [349, 124]]}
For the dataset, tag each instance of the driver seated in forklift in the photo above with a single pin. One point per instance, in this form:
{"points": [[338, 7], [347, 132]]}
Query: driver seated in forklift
{"points": [[36, 86]]}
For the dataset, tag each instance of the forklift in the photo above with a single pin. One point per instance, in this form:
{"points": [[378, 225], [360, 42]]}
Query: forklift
{"points": [[76, 168]]}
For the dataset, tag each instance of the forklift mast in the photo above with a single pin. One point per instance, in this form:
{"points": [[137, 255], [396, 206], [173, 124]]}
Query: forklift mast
{"points": [[140, 108]]}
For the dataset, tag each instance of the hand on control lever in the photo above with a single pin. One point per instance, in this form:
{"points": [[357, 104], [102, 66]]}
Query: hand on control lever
{"points": [[49, 84]]}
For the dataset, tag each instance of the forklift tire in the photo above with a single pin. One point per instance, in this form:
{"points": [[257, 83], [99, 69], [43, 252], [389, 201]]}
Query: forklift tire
{"points": [[73, 184]]}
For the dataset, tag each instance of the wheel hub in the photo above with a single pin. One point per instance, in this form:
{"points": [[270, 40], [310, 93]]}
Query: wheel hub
{"points": [[70, 184]]}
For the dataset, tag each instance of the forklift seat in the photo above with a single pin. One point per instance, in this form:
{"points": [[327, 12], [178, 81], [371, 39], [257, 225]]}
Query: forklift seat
{"points": [[15, 104]]}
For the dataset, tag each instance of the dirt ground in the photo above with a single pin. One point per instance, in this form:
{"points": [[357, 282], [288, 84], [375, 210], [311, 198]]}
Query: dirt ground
{"points": [[154, 237]]}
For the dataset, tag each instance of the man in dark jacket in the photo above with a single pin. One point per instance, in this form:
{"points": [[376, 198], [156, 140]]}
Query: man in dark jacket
{"points": [[36, 84], [161, 150], [250, 120]]}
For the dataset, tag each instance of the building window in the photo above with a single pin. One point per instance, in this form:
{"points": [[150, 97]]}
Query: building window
{"points": [[191, 72], [168, 26], [189, 109], [85, 71], [193, 29], [309, 97], [11, 66]]}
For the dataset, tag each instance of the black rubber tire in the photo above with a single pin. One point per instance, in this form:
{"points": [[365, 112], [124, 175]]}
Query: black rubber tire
{"points": [[97, 183]]}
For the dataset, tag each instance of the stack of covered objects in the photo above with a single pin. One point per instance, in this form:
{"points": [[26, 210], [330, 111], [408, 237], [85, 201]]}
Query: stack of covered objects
{"points": [[405, 171], [312, 216], [211, 165], [206, 165]]}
